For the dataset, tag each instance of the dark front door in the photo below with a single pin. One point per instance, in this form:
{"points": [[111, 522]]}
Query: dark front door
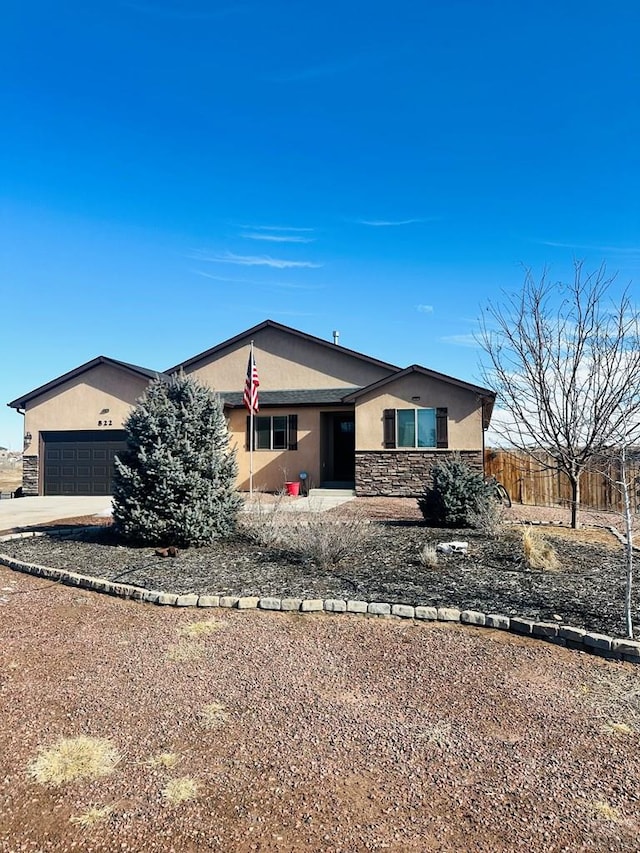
{"points": [[81, 463], [344, 447]]}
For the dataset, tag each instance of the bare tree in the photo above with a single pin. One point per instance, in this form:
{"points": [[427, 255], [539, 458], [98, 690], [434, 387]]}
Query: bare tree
{"points": [[565, 362]]}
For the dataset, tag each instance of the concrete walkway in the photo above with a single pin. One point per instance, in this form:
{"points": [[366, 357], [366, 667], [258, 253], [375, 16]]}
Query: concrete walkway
{"points": [[26, 512]]}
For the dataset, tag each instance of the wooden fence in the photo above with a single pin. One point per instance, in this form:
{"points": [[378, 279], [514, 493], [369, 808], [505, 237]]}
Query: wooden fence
{"points": [[529, 482]]}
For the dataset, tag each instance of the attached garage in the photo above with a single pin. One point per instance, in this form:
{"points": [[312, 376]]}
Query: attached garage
{"points": [[80, 462]]}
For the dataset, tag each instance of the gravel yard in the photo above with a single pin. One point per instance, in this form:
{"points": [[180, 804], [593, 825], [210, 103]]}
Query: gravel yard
{"points": [[336, 733], [292, 732]]}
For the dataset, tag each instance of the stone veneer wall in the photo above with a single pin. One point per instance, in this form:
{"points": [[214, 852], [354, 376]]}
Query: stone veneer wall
{"points": [[30, 476], [403, 473]]}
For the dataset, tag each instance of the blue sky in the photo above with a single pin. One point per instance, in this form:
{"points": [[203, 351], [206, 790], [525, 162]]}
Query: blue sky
{"points": [[172, 173]]}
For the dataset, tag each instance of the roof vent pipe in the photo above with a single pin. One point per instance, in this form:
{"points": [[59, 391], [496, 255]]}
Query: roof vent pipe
{"points": [[336, 337]]}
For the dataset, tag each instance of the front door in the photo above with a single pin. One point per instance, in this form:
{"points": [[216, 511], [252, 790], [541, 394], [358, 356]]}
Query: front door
{"points": [[344, 447], [338, 449]]}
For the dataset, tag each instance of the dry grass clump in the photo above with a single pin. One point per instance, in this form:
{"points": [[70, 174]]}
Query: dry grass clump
{"points": [[74, 758], [180, 790], [184, 651], [213, 715], [538, 553], [92, 816], [618, 729], [606, 811], [428, 556], [168, 760], [200, 629]]}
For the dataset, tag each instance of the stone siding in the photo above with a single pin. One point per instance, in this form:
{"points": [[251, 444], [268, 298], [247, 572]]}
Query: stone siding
{"points": [[30, 476], [403, 473]]}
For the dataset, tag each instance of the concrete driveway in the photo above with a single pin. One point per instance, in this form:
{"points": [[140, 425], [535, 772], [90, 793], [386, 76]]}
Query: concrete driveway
{"points": [[24, 512]]}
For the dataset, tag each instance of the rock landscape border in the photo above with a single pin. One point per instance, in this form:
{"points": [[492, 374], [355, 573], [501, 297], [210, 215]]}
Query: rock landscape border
{"points": [[602, 645]]}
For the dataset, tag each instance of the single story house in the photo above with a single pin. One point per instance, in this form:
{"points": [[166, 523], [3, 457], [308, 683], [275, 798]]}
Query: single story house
{"points": [[346, 419]]}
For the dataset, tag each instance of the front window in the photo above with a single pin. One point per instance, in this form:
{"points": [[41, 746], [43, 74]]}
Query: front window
{"points": [[271, 433], [416, 427]]}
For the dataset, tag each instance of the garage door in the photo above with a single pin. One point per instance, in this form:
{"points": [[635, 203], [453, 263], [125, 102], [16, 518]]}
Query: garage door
{"points": [[81, 463]]}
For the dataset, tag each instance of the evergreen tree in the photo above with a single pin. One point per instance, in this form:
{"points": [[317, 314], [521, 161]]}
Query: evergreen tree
{"points": [[175, 485], [458, 492]]}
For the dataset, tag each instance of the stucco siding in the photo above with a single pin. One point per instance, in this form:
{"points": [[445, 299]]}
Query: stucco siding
{"points": [[272, 468], [79, 403], [464, 410], [285, 361]]}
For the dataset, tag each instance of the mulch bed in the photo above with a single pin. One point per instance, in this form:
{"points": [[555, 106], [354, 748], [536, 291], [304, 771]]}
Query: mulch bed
{"points": [[587, 591]]}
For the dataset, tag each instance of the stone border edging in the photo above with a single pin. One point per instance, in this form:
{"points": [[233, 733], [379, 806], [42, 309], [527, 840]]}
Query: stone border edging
{"points": [[591, 642]]}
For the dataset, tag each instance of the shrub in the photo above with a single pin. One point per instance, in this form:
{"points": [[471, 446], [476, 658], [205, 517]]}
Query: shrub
{"points": [[489, 517], [326, 540], [176, 483], [458, 492], [264, 523], [312, 535]]}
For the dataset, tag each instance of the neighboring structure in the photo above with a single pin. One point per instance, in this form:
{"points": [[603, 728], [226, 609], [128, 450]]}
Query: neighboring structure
{"points": [[344, 418]]}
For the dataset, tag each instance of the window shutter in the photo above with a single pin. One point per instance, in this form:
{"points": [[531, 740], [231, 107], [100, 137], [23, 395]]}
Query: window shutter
{"points": [[442, 430], [247, 441], [293, 432], [389, 427]]}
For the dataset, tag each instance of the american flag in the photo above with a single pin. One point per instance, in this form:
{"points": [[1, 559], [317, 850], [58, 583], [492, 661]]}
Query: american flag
{"points": [[250, 396]]}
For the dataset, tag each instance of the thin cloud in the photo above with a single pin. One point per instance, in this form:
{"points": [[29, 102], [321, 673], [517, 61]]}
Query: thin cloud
{"points": [[425, 309], [269, 285], [256, 261], [276, 238], [273, 228], [391, 223], [620, 250], [461, 340]]}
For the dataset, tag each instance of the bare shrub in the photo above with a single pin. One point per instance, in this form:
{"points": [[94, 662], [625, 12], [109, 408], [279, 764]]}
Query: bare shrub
{"points": [[264, 522], [538, 553], [428, 556], [327, 540], [488, 517], [313, 534]]}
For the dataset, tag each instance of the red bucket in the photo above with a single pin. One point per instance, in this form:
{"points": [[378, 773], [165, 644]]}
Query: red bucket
{"points": [[293, 489]]}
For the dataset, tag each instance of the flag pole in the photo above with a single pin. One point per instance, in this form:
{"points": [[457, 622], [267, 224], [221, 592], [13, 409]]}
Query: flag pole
{"points": [[251, 439]]}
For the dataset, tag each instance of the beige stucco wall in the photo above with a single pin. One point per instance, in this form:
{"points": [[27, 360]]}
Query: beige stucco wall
{"points": [[78, 403], [285, 361], [271, 468], [464, 410]]}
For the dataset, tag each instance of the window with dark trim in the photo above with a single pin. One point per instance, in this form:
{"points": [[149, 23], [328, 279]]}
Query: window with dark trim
{"points": [[273, 432], [415, 428]]}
